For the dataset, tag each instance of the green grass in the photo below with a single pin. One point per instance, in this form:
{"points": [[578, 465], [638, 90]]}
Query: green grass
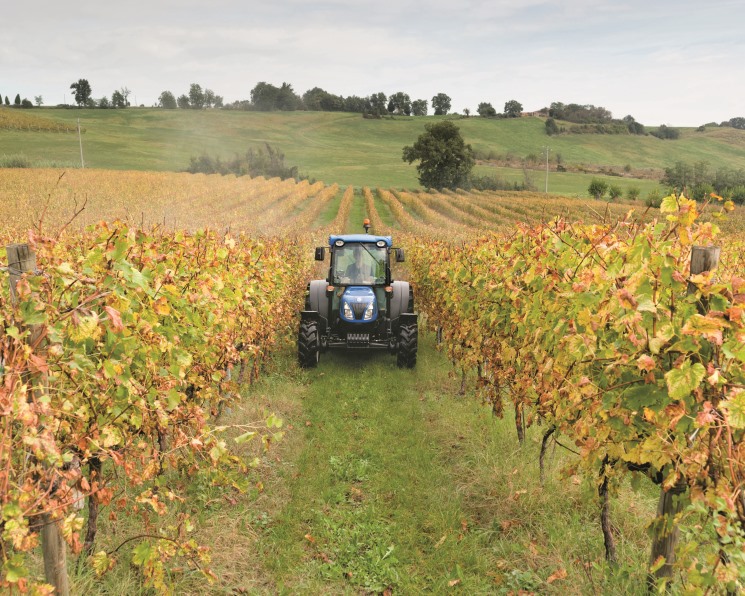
{"points": [[357, 215], [398, 483], [346, 148]]}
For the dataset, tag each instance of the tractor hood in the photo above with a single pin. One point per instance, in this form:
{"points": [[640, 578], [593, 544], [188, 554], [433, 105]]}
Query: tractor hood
{"points": [[358, 305]]}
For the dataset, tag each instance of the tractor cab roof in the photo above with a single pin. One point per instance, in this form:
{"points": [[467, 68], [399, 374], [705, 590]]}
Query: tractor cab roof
{"points": [[359, 238]]}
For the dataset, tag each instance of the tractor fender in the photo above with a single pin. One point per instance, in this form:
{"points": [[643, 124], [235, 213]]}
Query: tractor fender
{"points": [[400, 299], [318, 301], [317, 298]]}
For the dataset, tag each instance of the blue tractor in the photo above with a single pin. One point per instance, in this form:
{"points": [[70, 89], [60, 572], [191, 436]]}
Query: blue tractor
{"points": [[358, 306]]}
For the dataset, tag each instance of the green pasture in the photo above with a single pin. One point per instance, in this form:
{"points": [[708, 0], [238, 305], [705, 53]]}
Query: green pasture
{"points": [[348, 149]]}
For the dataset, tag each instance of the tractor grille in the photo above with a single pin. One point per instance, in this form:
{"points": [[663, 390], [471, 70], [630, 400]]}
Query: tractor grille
{"points": [[358, 308], [358, 340]]}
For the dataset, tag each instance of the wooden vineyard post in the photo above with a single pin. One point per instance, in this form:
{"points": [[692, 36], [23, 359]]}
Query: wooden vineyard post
{"points": [[665, 536], [22, 260]]}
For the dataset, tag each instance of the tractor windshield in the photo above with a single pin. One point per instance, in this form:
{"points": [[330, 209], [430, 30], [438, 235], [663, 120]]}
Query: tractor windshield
{"points": [[362, 264]]}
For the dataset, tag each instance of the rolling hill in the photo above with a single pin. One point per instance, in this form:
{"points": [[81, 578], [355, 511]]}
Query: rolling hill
{"points": [[348, 149]]}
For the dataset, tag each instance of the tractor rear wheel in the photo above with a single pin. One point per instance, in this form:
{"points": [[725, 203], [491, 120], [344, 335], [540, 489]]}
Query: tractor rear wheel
{"points": [[308, 344], [408, 337]]}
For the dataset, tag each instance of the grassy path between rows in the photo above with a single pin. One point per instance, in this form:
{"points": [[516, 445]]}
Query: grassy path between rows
{"points": [[388, 482]]}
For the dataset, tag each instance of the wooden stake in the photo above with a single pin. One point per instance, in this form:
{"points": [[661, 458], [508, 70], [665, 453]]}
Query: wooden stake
{"points": [[21, 259]]}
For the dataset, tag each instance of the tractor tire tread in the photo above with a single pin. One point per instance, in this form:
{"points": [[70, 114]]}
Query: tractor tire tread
{"points": [[408, 337], [308, 344]]}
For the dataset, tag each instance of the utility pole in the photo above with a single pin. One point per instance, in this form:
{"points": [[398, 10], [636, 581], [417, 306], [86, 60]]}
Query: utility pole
{"points": [[80, 140], [546, 149]]}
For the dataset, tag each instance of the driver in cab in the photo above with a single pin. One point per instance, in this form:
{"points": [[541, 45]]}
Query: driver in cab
{"points": [[359, 270]]}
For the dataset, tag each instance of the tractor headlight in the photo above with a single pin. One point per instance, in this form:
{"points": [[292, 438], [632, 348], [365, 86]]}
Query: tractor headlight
{"points": [[368, 312], [348, 314]]}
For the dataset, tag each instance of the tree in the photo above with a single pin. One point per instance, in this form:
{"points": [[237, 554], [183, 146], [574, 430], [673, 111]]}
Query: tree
{"points": [[401, 103], [354, 103], [183, 102], [117, 100], [551, 127], [378, 104], [196, 96], [615, 192], [7, 101], [419, 107], [82, 89], [634, 127], [17, 101], [738, 122], [287, 100], [312, 99], [666, 132], [104, 103], [486, 110], [125, 94], [466, 112], [264, 96], [441, 104], [209, 98], [167, 101], [26, 103], [597, 188], [38, 99], [445, 160], [513, 109]]}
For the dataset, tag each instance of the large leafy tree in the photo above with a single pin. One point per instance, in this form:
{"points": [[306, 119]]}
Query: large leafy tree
{"points": [[419, 107], [378, 103], [441, 104], [486, 110], [82, 89], [196, 96], [118, 100], [513, 109], [167, 100], [445, 160], [264, 96], [287, 100], [401, 103]]}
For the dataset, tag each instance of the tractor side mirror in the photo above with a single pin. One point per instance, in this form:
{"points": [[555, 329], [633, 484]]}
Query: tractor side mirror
{"points": [[400, 257], [320, 253]]}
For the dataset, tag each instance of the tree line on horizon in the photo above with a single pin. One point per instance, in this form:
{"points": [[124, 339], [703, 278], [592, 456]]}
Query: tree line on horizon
{"points": [[266, 97]]}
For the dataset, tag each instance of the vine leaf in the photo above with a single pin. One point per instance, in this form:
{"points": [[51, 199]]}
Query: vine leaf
{"points": [[682, 381]]}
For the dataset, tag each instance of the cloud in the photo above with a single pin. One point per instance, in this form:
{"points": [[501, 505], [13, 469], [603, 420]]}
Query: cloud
{"points": [[536, 51]]}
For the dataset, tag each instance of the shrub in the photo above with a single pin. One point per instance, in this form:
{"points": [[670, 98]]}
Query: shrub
{"points": [[15, 161], [632, 193], [654, 199], [614, 192], [666, 132], [738, 195], [493, 183], [597, 188], [269, 162], [551, 127]]}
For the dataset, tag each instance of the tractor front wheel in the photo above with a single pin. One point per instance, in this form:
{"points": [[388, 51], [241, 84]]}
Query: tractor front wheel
{"points": [[308, 344], [407, 346]]}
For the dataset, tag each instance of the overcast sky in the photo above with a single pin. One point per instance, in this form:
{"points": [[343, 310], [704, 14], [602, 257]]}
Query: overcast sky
{"points": [[663, 62]]}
